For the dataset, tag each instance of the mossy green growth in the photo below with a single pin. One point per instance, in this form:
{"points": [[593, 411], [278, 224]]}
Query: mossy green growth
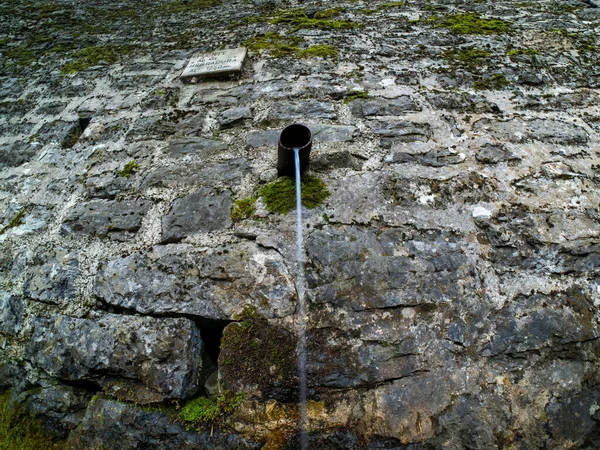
{"points": [[178, 6], [15, 222], [351, 96], [494, 82], [92, 56], [277, 45], [322, 51], [20, 430], [280, 196], [203, 411], [470, 57], [299, 20], [523, 51], [130, 168], [328, 13], [392, 5], [243, 209], [472, 23]]}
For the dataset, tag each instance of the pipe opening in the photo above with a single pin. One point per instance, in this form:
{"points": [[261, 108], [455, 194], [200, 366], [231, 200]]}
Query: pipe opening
{"points": [[293, 136]]}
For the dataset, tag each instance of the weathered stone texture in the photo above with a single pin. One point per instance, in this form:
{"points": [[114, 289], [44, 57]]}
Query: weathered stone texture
{"points": [[159, 358]]}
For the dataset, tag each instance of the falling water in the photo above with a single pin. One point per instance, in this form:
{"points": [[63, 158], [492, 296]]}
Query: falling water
{"points": [[302, 372]]}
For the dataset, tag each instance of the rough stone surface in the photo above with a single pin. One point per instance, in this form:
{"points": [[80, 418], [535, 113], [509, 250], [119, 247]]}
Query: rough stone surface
{"points": [[137, 358], [117, 425], [117, 219], [451, 276], [201, 211], [214, 284]]}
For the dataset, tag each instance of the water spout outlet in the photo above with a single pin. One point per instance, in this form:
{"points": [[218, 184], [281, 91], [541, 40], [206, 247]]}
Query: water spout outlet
{"points": [[292, 137]]}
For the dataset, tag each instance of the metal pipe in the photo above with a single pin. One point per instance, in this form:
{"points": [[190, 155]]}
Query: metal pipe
{"points": [[291, 137]]}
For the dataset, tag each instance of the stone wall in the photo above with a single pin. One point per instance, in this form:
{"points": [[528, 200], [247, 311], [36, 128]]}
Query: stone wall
{"points": [[452, 273]]}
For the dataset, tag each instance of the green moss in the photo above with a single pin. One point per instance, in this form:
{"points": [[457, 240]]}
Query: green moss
{"points": [[328, 13], [494, 82], [526, 51], [299, 20], [92, 56], [277, 45], [366, 11], [243, 209], [252, 344], [323, 51], [203, 411], [178, 6], [15, 222], [351, 96], [130, 168], [392, 5], [472, 23], [280, 196], [469, 57], [20, 430]]}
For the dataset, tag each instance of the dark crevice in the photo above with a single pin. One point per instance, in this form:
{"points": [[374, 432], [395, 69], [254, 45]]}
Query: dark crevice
{"points": [[76, 131], [86, 385]]}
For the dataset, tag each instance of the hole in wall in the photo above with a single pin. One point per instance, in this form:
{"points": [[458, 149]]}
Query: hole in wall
{"points": [[211, 332], [76, 131]]}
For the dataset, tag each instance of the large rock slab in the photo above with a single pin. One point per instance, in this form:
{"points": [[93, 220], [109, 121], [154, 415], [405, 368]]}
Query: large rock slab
{"points": [[201, 211], [119, 219], [196, 174], [11, 314], [138, 358], [216, 284], [366, 269], [111, 424], [543, 130], [53, 281], [383, 107], [401, 131]]}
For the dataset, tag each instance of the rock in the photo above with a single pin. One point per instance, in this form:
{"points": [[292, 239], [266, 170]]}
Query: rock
{"points": [[201, 211], [463, 102], [212, 385], [545, 130], [332, 133], [536, 322], [54, 281], [266, 138], [301, 110], [215, 284], [157, 359], [60, 408], [201, 173], [208, 147], [233, 116], [574, 417], [119, 219], [334, 160], [16, 154], [111, 424], [383, 107], [493, 154], [368, 274], [401, 131], [11, 314]]}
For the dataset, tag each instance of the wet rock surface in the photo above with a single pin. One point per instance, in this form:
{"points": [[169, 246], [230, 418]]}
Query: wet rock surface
{"points": [[452, 274]]}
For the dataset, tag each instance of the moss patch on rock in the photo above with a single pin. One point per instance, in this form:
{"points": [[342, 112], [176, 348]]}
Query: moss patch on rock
{"points": [[15, 222], [128, 169], [20, 430], [258, 357], [280, 196], [493, 82], [281, 46], [203, 411], [243, 209], [298, 19], [473, 23], [321, 51], [92, 56]]}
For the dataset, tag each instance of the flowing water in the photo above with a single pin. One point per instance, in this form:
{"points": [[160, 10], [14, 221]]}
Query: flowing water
{"points": [[302, 372]]}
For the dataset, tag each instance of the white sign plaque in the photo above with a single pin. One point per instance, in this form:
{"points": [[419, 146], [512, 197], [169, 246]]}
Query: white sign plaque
{"points": [[222, 62]]}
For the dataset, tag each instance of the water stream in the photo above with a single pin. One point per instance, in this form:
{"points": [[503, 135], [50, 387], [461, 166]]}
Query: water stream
{"points": [[302, 371]]}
